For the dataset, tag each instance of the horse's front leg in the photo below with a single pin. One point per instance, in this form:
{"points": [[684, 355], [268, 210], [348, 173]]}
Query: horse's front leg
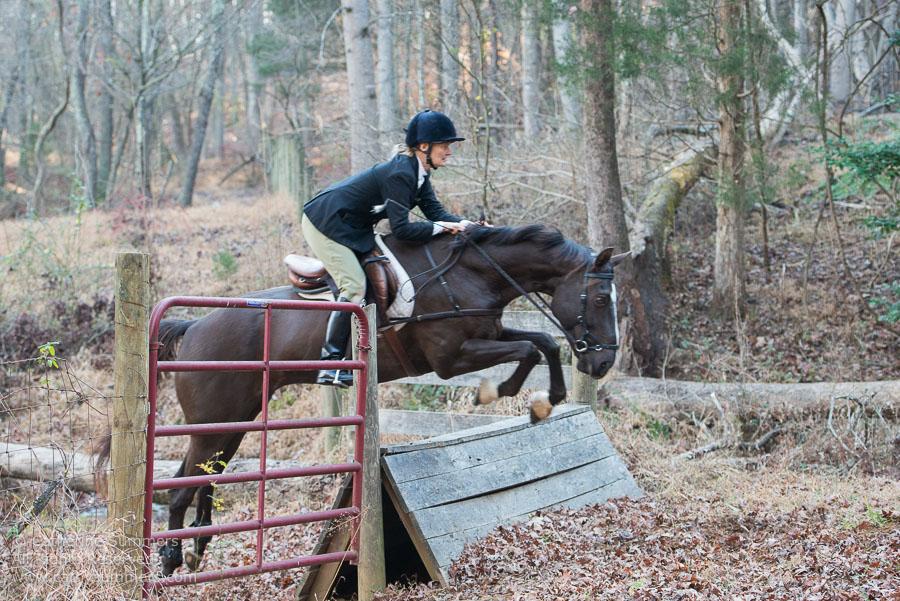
{"points": [[476, 354], [550, 349]]}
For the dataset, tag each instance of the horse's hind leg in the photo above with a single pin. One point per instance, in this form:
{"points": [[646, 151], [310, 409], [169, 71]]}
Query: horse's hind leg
{"points": [[205, 502], [200, 450]]}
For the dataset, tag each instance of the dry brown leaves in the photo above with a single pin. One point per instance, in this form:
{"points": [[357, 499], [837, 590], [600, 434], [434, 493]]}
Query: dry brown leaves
{"points": [[650, 549]]}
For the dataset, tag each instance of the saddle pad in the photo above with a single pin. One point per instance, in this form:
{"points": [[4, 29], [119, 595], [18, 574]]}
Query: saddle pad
{"points": [[405, 302], [315, 295]]}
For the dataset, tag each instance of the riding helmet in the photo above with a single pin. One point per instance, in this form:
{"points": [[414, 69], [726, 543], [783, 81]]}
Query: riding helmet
{"points": [[430, 126]]}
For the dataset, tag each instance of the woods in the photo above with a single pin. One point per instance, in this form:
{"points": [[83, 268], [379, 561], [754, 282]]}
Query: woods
{"points": [[596, 117]]}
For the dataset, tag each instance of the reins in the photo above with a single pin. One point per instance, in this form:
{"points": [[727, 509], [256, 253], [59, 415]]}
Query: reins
{"points": [[580, 345]]}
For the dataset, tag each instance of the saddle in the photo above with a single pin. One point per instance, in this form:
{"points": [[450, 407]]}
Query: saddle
{"points": [[311, 279]]}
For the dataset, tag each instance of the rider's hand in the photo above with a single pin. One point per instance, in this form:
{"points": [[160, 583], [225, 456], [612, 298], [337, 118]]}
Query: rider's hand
{"points": [[452, 226]]}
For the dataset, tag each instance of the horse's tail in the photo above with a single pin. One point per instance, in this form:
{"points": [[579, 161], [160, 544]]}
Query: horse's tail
{"points": [[170, 331]]}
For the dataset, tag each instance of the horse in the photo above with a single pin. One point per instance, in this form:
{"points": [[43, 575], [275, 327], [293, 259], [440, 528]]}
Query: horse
{"points": [[485, 268]]}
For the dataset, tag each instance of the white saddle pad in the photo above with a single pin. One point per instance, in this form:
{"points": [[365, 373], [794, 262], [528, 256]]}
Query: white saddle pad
{"points": [[405, 302]]}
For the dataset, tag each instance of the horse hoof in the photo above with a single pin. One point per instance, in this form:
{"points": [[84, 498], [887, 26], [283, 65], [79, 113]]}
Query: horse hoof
{"points": [[487, 393], [540, 406], [192, 560]]}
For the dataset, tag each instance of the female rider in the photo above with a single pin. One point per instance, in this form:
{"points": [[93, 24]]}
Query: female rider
{"points": [[338, 222]]}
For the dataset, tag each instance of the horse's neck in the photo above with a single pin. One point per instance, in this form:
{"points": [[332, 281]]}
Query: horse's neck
{"points": [[533, 269]]}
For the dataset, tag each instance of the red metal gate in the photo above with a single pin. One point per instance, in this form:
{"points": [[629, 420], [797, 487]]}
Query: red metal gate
{"points": [[266, 366]]}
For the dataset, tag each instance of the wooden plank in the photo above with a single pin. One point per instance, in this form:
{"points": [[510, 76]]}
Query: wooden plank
{"points": [[505, 504], [448, 547], [431, 423], [450, 459], [496, 475], [482, 432]]}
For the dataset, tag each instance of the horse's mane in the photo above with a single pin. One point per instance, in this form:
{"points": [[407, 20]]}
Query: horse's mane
{"points": [[545, 238]]}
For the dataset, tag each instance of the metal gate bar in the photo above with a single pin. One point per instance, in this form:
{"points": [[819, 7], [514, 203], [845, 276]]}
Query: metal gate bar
{"points": [[264, 426]]}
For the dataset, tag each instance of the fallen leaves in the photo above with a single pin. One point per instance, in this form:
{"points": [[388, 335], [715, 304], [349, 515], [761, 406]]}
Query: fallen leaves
{"points": [[656, 550]]}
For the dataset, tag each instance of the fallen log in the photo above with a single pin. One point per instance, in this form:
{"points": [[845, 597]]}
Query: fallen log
{"points": [[42, 464], [786, 399]]}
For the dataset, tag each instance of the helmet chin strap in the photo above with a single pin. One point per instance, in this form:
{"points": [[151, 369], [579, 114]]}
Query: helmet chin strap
{"points": [[428, 156]]}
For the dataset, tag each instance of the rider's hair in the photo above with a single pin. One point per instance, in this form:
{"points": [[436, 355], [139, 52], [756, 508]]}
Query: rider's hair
{"points": [[405, 150]]}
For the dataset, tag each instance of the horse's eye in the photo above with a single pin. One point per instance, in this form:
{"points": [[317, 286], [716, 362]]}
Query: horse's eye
{"points": [[602, 300]]}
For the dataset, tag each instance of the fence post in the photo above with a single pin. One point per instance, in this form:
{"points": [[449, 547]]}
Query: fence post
{"points": [[584, 387], [128, 432], [371, 574], [332, 406]]}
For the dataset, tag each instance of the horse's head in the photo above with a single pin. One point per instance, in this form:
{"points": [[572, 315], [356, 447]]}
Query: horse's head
{"points": [[585, 304]]}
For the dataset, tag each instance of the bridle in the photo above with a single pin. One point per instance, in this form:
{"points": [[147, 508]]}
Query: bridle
{"points": [[580, 345]]}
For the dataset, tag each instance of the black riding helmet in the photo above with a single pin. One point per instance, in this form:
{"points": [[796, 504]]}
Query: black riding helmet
{"points": [[430, 127]]}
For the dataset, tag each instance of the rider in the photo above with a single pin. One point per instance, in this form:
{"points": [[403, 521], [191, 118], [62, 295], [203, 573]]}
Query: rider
{"points": [[338, 222]]}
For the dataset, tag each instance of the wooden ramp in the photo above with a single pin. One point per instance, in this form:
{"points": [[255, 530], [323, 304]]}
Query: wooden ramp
{"points": [[444, 492]]}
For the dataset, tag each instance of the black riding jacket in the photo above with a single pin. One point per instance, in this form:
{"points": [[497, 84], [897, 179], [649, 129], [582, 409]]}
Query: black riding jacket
{"points": [[345, 211]]}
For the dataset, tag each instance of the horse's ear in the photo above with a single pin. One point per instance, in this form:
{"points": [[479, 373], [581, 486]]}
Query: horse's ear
{"points": [[602, 258], [616, 259]]}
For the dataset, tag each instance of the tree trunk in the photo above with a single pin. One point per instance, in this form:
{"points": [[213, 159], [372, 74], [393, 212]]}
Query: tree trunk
{"points": [[728, 279], [562, 42], [361, 82], [603, 192], [86, 145], [841, 72], [216, 143], [17, 76], [449, 58], [531, 67], [257, 84], [105, 102], [387, 88], [206, 98], [800, 23]]}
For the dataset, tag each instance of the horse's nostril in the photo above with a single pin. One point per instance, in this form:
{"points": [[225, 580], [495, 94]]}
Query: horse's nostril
{"points": [[604, 367]]}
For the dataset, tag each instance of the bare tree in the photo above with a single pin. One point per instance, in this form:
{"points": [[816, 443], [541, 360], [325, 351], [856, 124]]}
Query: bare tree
{"points": [[105, 103], [256, 84], [12, 84], [206, 98], [86, 145], [450, 57], [531, 68], [563, 41], [361, 82], [387, 85]]}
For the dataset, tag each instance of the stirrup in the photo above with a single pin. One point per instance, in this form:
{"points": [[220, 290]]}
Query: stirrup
{"points": [[341, 378]]}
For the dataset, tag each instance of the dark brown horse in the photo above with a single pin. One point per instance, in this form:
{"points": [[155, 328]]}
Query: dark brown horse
{"points": [[490, 268]]}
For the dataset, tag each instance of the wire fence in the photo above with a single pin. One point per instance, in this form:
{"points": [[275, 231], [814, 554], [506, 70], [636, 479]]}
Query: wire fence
{"points": [[55, 540]]}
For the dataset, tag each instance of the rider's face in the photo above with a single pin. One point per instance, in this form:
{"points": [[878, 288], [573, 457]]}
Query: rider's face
{"points": [[440, 152]]}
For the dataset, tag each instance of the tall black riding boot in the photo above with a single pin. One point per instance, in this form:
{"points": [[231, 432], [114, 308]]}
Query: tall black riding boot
{"points": [[336, 338]]}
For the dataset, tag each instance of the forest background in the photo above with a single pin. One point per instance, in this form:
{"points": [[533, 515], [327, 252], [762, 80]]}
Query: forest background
{"points": [[745, 151]]}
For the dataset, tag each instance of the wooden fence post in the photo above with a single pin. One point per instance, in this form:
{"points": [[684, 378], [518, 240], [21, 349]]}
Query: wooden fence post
{"points": [[129, 424], [584, 387], [332, 406], [371, 574]]}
